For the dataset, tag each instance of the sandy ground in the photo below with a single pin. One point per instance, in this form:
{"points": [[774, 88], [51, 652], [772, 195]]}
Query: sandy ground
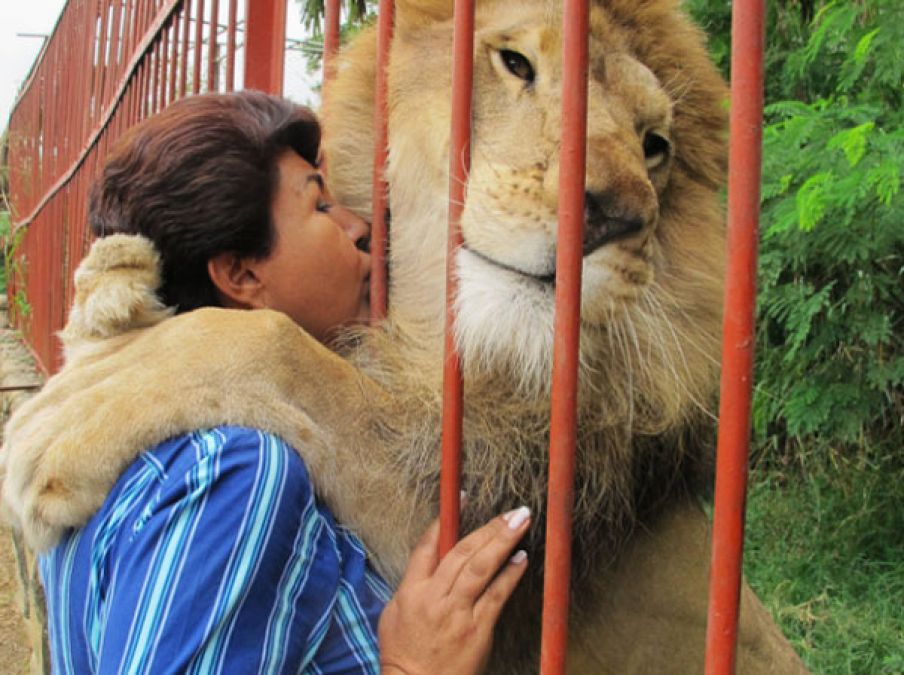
{"points": [[15, 648]]}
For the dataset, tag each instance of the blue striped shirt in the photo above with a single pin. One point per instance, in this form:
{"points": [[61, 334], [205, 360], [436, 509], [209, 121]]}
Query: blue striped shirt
{"points": [[211, 555]]}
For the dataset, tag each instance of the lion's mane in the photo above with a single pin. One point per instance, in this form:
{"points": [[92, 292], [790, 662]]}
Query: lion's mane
{"points": [[648, 369]]}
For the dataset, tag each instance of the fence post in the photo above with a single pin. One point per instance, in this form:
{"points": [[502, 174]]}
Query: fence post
{"points": [[379, 234], [745, 154], [265, 39], [566, 345], [459, 168]]}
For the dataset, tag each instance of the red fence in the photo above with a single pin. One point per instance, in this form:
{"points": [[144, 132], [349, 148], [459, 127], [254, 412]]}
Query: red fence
{"points": [[108, 64], [111, 63]]}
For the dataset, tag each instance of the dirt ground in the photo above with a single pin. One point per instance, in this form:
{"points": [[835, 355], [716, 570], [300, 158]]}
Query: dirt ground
{"points": [[15, 650], [16, 369]]}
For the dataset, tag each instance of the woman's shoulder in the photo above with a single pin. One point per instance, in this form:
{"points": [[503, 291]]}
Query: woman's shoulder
{"points": [[219, 466], [226, 448]]}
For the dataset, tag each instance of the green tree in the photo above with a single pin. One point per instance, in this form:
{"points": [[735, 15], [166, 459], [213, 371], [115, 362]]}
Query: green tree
{"points": [[358, 13], [312, 13], [830, 359], [825, 511]]}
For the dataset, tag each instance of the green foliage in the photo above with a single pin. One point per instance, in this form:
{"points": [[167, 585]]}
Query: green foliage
{"points": [[824, 548], [830, 358], [312, 13], [358, 14]]}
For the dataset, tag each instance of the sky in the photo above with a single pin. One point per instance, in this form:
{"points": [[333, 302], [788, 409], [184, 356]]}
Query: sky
{"points": [[39, 16], [18, 53]]}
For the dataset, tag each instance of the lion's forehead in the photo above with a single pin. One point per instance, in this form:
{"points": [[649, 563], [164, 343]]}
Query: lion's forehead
{"points": [[540, 27]]}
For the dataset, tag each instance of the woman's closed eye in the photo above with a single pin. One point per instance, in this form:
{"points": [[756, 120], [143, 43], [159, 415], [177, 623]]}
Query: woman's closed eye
{"points": [[323, 207]]}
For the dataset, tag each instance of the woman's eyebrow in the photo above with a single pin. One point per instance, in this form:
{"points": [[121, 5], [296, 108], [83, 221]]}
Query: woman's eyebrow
{"points": [[315, 178]]}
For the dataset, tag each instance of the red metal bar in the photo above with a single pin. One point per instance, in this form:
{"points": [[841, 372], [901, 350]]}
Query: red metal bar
{"points": [[164, 55], [566, 344], [183, 65], [131, 26], [745, 155], [173, 77], [115, 39], [100, 70], [230, 45], [378, 230], [212, 67], [144, 79], [332, 11], [199, 41], [459, 168], [265, 38], [155, 78]]}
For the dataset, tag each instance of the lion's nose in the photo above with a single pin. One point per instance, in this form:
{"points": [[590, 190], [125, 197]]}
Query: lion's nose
{"points": [[607, 218]]}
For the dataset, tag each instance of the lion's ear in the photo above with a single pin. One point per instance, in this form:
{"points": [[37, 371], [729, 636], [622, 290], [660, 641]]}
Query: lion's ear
{"points": [[413, 14]]}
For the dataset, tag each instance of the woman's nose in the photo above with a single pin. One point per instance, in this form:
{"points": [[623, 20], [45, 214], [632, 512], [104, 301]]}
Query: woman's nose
{"points": [[357, 229]]}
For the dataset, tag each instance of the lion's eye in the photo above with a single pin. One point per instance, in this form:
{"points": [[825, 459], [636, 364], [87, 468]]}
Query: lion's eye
{"points": [[655, 149], [518, 65]]}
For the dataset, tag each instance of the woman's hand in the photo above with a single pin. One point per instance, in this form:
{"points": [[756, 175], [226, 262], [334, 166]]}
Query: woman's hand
{"points": [[441, 618]]}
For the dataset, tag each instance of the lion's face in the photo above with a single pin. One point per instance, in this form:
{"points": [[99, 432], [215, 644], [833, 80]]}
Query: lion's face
{"points": [[654, 154], [510, 219]]}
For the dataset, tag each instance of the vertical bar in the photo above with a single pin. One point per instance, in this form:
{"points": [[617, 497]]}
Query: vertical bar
{"points": [[199, 40], [164, 55], [154, 53], [378, 231], [103, 61], [174, 57], [132, 27], [146, 73], [183, 61], [459, 168], [230, 45], [332, 11], [212, 45], [265, 39], [115, 39], [745, 155], [566, 344]]}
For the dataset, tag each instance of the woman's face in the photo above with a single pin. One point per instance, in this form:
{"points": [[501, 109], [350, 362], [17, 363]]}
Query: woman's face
{"points": [[318, 270]]}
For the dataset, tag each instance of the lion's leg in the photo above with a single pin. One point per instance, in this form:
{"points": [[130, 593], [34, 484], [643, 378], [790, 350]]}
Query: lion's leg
{"points": [[653, 616]]}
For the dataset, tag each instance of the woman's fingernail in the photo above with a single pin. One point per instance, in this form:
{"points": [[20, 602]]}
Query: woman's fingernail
{"points": [[519, 557], [516, 518]]}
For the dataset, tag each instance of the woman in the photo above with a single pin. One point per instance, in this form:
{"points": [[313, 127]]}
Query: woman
{"points": [[211, 553]]}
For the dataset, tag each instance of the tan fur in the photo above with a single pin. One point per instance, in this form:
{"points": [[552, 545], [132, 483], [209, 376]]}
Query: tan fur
{"points": [[369, 431]]}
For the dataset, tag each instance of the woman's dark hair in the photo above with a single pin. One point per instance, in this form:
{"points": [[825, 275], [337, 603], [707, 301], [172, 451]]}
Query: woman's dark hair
{"points": [[198, 180]]}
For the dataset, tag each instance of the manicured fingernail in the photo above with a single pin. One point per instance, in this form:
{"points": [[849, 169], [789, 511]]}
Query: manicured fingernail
{"points": [[516, 518], [519, 557]]}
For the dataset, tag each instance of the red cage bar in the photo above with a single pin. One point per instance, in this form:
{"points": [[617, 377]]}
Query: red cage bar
{"points": [[332, 11], [745, 155], [566, 345], [459, 167], [264, 45], [378, 231]]}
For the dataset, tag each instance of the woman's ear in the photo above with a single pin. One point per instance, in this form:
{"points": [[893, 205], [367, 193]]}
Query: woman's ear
{"points": [[236, 281]]}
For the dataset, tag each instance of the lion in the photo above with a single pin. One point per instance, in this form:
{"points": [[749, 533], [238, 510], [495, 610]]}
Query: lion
{"points": [[367, 422]]}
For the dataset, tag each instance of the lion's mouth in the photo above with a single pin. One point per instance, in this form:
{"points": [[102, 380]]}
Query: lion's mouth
{"points": [[549, 278]]}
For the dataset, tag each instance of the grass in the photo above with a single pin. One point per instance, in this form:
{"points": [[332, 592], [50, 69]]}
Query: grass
{"points": [[826, 554]]}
